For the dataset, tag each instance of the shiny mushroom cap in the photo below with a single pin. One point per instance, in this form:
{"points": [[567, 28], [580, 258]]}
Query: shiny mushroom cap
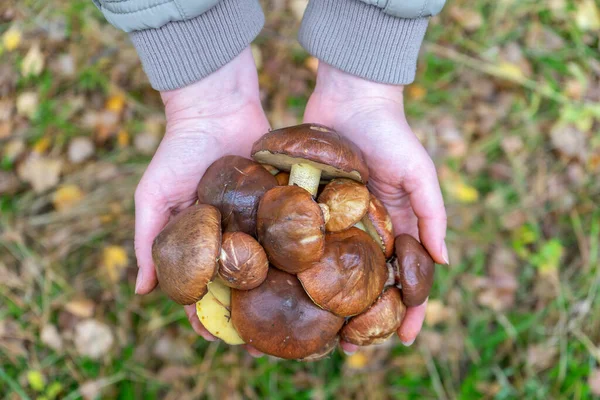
{"points": [[243, 263], [309, 152], [235, 185], [350, 275], [279, 319], [378, 224], [185, 253], [323, 352], [379, 322], [348, 202], [415, 270], [291, 228]]}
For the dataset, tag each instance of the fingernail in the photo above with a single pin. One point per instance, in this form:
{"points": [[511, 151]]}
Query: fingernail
{"points": [[348, 352], [408, 344], [445, 253], [139, 280]]}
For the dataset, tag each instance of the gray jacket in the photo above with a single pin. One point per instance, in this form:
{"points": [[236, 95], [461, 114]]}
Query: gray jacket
{"points": [[182, 41]]}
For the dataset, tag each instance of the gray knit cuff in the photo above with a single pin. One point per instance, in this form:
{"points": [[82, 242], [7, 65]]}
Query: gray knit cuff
{"points": [[362, 40], [183, 52]]}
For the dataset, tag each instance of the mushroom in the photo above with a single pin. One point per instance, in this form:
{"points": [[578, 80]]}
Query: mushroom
{"points": [[378, 224], [234, 185], [291, 228], [379, 322], [272, 170], [214, 312], [243, 263], [323, 352], [350, 275], [347, 201], [185, 253], [309, 152], [283, 178], [279, 319], [414, 270]]}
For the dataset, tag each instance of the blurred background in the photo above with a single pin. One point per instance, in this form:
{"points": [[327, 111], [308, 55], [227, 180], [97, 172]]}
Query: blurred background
{"points": [[506, 100]]}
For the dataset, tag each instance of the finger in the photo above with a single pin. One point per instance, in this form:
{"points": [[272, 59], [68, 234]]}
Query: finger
{"points": [[348, 348], [253, 352], [150, 218], [412, 324], [428, 205], [190, 311]]}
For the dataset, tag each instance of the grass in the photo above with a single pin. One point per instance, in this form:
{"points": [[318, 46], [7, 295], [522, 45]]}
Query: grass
{"points": [[516, 313]]}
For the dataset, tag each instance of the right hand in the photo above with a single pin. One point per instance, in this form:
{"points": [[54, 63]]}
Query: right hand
{"points": [[217, 116]]}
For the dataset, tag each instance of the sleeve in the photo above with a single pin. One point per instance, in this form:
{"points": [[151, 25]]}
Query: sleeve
{"points": [[378, 40], [182, 41]]}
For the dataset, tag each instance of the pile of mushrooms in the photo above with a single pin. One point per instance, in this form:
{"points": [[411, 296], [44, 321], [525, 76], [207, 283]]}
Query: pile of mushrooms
{"points": [[290, 252]]}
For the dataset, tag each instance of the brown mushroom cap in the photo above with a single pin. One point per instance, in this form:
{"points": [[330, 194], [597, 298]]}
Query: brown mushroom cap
{"points": [[291, 228], [350, 275], [243, 263], [348, 202], [378, 224], [415, 270], [324, 352], [379, 322], [234, 185], [279, 319], [185, 253], [282, 178], [317, 145]]}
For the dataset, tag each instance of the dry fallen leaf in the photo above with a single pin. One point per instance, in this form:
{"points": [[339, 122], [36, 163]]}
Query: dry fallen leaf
{"points": [[114, 261], [436, 313], [66, 197], [27, 104], [41, 145], [416, 91], [257, 54], [587, 15], [42, 173], [51, 338], [80, 149], [357, 360], [11, 38], [93, 338], [116, 103], [123, 138], [542, 356], [33, 63], [81, 307], [468, 18], [13, 149]]}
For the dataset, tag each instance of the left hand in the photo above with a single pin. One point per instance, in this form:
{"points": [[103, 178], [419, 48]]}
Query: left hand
{"points": [[402, 175]]}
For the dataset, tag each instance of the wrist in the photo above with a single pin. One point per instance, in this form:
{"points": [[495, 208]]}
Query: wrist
{"points": [[335, 84], [229, 88]]}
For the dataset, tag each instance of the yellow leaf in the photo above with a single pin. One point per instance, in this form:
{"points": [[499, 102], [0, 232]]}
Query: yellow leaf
{"points": [[116, 103], [257, 55], [312, 63], [357, 360], [123, 138], [11, 39], [33, 63], [114, 260], [588, 16], [510, 71], [465, 193], [36, 380], [66, 197], [41, 145], [416, 91]]}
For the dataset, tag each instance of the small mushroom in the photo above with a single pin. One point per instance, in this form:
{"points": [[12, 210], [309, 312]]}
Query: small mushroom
{"points": [[185, 253], [350, 275], [414, 272], [378, 323], [283, 178], [309, 152], [291, 228], [279, 319], [348, 202], [243, 263], [378, 224], [214, 312], [235, 185]]}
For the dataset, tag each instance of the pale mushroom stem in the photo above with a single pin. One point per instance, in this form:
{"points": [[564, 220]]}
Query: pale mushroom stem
{"points": [[325, 211], [360, 226], [306, 176]]}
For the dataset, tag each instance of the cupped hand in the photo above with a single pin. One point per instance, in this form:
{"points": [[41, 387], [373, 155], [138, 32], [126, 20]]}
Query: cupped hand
{"points": [[402, 175], [217, 116]]}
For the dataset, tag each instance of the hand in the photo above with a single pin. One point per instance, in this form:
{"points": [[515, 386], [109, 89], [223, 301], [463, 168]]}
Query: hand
{"points": [[402, 175], [217, 116]]}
